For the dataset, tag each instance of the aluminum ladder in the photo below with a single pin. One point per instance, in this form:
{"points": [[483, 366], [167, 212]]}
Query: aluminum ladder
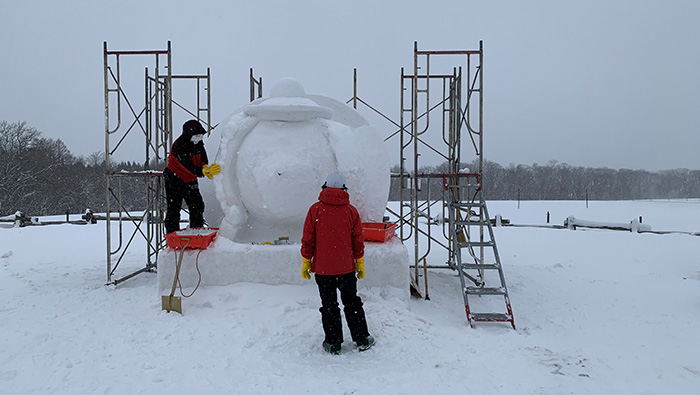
{"points": [[484, 277]]}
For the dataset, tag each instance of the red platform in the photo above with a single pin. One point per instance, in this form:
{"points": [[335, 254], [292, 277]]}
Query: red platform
{"points": [[191, 238], [378, 231]]}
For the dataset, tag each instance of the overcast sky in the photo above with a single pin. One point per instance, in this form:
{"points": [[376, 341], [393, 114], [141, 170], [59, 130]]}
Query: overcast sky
{"points": [[590, 83]]}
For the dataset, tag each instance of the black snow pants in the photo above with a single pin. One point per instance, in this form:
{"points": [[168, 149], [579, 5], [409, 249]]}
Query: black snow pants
{"points": [[352, 306], [175, 191]]}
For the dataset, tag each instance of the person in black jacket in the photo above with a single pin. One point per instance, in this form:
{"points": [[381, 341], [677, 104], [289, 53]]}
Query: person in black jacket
{"points": [[186, 162]]}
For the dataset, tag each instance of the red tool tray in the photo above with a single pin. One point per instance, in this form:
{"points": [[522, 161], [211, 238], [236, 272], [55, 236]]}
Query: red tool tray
{"points": [[191, 238], [378, 231]]}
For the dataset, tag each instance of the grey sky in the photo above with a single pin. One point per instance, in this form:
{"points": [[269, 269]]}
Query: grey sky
{"points": [[590, 83]]}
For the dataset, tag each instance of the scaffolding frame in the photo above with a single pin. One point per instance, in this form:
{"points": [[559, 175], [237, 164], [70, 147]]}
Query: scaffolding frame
{"points": [[155, 121], [414, 128]]}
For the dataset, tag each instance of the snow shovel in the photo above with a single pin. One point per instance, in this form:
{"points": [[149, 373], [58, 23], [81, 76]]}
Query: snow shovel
{"points": [[172, 302]]}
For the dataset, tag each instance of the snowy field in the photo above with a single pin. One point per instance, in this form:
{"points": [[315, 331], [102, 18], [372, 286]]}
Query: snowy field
{"points": [[597, 312]]}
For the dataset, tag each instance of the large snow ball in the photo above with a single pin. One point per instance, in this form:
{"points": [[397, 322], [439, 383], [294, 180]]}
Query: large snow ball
{"points": [[276, 153], [278, 168]]}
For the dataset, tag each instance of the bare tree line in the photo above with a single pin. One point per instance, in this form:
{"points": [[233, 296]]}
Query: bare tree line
{"points": [[560, 181], [40, 176]]}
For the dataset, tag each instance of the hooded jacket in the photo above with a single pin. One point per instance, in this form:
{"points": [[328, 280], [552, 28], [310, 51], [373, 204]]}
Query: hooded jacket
{"points": [[333, 234], [186, 159]]}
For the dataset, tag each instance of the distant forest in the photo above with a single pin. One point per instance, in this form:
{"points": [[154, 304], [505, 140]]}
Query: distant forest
{"points": [[559, 181], [40, 176]]}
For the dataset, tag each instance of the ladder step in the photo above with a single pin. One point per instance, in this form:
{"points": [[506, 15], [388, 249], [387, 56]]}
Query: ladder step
{"points": [[486, 266], [485, 291], [459, 234], [492, 317]]}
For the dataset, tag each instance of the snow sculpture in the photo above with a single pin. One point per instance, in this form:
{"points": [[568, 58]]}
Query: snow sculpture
{"points": [[276, 153]]}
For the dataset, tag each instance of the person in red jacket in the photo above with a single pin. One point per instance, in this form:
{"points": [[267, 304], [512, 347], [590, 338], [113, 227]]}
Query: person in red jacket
{"points": [[187, 161], [332, 247]]}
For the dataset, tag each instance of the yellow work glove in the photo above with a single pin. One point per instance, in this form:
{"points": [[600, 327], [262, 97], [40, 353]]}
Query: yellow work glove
{"points": [[211, 171], [306, 268], [360, 267], [206, 172]]}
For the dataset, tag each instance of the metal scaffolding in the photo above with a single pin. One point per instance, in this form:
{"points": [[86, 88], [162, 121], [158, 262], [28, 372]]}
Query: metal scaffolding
{"points": [[415, 139], [438, 107], [455, 99], [153, 122]]}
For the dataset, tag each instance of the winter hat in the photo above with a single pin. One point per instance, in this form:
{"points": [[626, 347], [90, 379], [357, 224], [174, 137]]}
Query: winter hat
{"points": [[192, 127], [335, 179]]}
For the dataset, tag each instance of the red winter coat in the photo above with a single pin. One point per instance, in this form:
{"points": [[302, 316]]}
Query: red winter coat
{"points": [[333, 234]]}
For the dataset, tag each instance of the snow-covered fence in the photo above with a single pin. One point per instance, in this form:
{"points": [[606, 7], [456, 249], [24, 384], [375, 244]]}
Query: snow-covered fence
{"points": [[20, 220], [573, 223], [633, 226]]}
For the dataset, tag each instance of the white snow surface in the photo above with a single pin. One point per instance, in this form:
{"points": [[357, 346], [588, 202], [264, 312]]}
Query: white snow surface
{"points": [[195, 232], [597, 312]]}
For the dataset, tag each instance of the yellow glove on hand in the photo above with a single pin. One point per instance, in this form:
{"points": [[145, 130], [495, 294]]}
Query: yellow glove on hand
{"points": [[206, 172], [306, 268], [211, 171], [214, 169], [360, 267]]}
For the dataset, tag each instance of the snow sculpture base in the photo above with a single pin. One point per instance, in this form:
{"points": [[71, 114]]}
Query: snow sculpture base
{"points": [[226, 262]]}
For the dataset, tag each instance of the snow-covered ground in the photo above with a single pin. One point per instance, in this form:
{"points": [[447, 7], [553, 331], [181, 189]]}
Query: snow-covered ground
{"points": [[597, 312]]}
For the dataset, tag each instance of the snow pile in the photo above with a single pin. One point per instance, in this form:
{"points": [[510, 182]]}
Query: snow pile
{"points": [[225, 262], [276, 153]]}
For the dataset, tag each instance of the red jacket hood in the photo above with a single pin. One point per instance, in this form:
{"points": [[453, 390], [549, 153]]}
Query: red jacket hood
{"points": [[334, 196]]}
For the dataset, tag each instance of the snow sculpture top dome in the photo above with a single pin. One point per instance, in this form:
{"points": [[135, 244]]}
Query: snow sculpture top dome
{"points": [[287, 102], [287, 87], [276, 153]]}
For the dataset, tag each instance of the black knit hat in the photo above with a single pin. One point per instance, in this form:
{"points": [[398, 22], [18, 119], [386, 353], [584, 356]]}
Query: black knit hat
{"points": [[192, 127]]}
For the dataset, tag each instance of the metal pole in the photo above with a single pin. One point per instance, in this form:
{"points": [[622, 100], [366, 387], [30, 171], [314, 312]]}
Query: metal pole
{"points": [[149, 193], [481, 112], [481, 145], [458, 119], [169, 97], [159, 107], [147, 122], [401, 157], [208, 102], [198, 97], [106, 86], [354, 89], [252, 86], [414, 130]]}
